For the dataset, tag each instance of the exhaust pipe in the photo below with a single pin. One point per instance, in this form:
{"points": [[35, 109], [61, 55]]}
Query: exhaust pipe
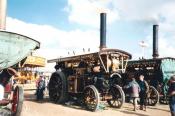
{"points": [[3, 5], [155, 41], [102, 31]]}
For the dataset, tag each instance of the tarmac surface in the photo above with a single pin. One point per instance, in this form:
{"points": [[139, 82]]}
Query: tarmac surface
{"points": [[31, 107]]}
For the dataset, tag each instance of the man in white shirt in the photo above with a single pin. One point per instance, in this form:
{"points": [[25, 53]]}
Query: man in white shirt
{"points": [[1, 92]]}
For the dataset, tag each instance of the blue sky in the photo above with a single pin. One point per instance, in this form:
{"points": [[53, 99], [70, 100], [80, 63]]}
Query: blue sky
{"points": [[66, 25], [36, 11]]}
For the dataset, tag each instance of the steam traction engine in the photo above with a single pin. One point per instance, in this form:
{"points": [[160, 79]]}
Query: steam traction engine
{"points": [[157, 72], [91, 77]]}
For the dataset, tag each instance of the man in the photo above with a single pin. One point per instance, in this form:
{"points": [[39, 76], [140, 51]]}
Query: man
{"points": [[144, 89], [171, 93], [5, 76], [1, 92], [40, 88], [134, 91]]}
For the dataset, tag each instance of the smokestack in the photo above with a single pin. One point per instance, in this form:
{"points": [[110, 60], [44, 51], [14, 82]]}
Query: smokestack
{"points": [[102, 30], [3, 4], [155, 41]]}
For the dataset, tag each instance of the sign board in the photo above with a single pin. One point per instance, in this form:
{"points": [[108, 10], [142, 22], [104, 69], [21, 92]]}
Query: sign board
{"points": [[35, 61]]}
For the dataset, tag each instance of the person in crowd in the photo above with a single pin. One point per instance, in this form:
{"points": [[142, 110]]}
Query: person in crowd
{"points": [[144, 89], [5, 76], [171, 93], [1, 92], [40, 88], [134, 91]]}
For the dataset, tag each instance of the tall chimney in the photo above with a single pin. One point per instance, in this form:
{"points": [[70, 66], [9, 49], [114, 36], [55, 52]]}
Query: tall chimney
{"points": [[155, 41], [102, 30], [3, 4]]}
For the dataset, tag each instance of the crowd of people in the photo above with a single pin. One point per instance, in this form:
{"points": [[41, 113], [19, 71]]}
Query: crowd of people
{"points": [[138, 90]]}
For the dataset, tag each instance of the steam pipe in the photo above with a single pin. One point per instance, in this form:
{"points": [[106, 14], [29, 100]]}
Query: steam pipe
{"points": [[155, 41], [3, 6], [102, 30]]}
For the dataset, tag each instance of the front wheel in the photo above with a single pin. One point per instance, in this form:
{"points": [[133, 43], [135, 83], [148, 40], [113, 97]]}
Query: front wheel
{"points": [[58, 88], [91, 98], [118, 97]]}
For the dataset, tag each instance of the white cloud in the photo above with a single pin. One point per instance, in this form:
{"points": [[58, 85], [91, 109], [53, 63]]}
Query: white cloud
{"points": [[86, 12], [166, 46], [149, 12], [55, 42]]}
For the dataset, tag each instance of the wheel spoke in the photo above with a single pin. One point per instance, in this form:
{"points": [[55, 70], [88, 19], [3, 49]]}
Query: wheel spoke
{"points": [[91, 98], [153, 98], [117, 97]]}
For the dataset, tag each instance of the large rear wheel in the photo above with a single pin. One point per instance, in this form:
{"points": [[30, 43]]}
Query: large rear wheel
{"points": [[153, 96], [164, 99], [58, 87], [118, 96], [91, 98]]}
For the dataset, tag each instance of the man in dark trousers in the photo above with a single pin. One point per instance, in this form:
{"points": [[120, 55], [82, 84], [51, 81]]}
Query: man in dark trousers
{"points": [[144, 89], [40, 88], [171, 93]]}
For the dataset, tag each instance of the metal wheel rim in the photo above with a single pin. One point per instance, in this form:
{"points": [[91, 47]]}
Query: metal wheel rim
{"points": [[153, 98], [116, 100], [91, 99], [15, 100]]}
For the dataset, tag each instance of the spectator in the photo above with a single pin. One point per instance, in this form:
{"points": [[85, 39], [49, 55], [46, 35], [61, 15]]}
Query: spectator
{"points": [[1, 92], [171, 93], [134, 91], [40, 88], [144, 89]]}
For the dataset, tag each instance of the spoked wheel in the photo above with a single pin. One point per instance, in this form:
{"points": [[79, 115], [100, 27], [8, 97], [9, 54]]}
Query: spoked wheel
{"points": [[17, 101], [118, 97], [91, 98], [58, 88], [164, 99], [153, 96]]}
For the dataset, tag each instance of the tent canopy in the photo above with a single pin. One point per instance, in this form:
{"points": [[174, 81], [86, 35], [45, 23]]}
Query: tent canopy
{"points": [[14, 48]]}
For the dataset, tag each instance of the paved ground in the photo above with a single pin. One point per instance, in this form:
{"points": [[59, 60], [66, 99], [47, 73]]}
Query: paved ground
{"points": [[33, 108]]}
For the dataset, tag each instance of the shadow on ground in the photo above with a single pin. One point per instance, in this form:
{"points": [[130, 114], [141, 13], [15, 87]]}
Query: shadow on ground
{"points": [[135, 113], [155, 108]]}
